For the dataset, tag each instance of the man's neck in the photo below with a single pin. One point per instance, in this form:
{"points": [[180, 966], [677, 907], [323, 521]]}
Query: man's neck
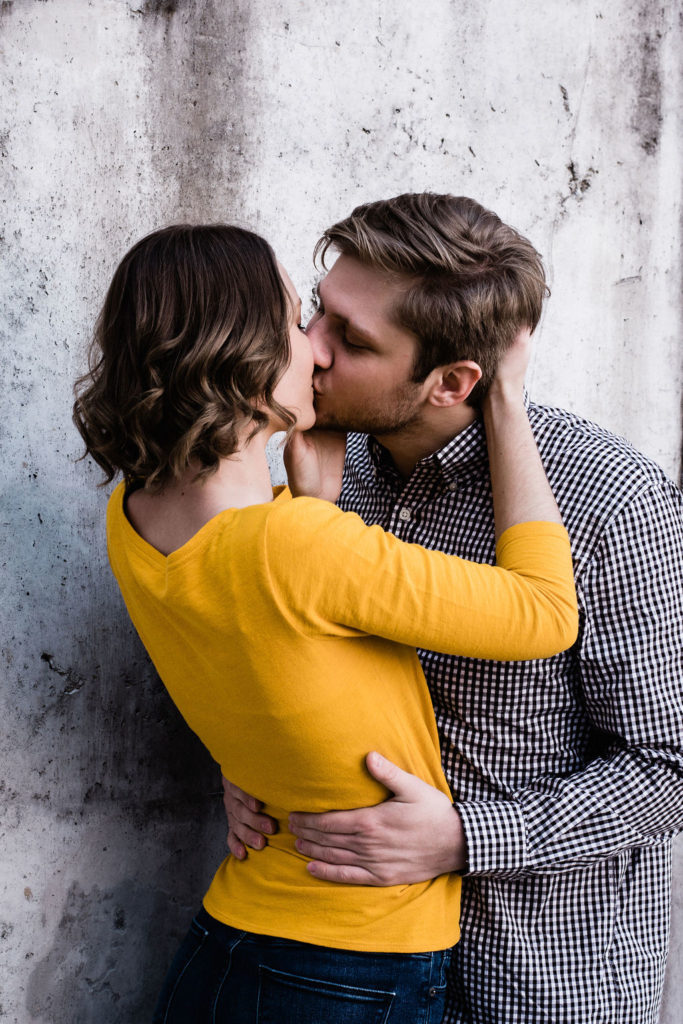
{"points": [[420, 439]]}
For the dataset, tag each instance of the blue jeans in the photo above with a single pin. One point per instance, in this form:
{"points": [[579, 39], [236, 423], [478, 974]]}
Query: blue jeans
{"points": [[222, 975]]}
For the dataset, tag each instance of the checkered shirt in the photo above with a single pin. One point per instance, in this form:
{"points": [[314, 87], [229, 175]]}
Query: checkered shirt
{"points": [[568, 772]]}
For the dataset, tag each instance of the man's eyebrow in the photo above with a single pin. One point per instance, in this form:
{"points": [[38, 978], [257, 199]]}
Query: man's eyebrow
{"points": [[358, 332], [355, 328]]}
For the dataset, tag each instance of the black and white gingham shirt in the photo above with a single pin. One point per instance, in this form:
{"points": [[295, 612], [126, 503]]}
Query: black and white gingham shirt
{"points": [[568, 773]]}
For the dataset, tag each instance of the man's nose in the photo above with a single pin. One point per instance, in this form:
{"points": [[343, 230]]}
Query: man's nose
{"points": [[322, 350]]}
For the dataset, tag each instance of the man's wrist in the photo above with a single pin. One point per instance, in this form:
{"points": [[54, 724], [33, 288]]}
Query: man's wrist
{"points": [[494, 836], [460, 851]]}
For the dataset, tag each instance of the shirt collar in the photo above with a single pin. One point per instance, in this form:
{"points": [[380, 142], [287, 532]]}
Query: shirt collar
{"points": [[463, 457]]}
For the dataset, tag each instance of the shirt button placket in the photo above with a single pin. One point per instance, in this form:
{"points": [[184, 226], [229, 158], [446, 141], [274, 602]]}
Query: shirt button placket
{"points": [[400, 517]]}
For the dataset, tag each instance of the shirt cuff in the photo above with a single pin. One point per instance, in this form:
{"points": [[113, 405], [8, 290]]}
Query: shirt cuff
{"points": [[496, 836]]}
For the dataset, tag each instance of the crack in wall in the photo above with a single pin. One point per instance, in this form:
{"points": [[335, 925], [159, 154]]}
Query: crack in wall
{"points": [[74, 681]]}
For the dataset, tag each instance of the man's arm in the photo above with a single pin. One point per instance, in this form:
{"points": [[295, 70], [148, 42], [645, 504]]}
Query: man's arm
{"points": [[631, 664], [414, 836]]}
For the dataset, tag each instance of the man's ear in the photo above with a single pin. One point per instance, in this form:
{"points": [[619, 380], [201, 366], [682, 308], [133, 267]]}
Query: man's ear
{"points": [[452, 384]]}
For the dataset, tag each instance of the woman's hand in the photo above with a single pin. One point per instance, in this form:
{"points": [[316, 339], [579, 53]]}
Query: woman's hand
{"points": [[314, 461], [512, 367], [521, 492]]}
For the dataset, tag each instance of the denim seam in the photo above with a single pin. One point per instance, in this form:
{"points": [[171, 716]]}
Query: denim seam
{"points": [[350, 988], [233, 946], [336, 985], [205, 935]]}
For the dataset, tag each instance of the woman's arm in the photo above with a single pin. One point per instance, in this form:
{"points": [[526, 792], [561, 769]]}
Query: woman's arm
{"points": [[331, 570], [521, 492]]}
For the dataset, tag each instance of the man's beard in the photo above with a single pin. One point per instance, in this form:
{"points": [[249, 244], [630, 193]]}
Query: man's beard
{"points": [[398, 413]]}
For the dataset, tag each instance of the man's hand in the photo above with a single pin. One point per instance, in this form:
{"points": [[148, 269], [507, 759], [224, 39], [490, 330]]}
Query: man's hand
{"points": [[246, 825], [414, 836], [314, 461]]}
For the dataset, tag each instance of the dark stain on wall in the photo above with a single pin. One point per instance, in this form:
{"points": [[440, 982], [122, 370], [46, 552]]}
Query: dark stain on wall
{"points": [[164, 7], [579, 182], [156, 8], [565, 100], [647, 116], [201, 106], [103, 940]]}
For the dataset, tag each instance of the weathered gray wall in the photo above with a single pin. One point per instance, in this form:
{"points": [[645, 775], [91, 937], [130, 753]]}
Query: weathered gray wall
{"points": [[118, 117]]}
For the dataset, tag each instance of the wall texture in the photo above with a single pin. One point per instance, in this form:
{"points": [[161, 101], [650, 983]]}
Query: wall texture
{"points": [[117, 117]]}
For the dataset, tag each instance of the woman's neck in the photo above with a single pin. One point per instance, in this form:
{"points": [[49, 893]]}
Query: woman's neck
{"points": [[169, 519]]}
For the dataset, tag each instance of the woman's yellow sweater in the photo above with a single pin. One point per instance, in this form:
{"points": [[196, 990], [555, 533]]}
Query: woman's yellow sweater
{"points": [[285, 633]]}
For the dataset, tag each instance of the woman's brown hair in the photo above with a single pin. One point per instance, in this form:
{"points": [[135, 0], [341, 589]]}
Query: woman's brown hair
{"points": [[192, 338]]}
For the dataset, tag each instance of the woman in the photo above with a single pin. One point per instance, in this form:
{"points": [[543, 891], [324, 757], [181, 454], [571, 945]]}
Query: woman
{"points": [[283, 626]]}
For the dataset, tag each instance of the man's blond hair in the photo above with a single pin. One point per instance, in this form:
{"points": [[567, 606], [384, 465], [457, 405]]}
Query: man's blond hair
{"points": [[476, 281]]}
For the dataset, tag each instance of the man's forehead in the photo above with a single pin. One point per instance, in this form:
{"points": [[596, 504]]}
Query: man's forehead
{"points": [[342, 302], [364, 300], [349, 281]]}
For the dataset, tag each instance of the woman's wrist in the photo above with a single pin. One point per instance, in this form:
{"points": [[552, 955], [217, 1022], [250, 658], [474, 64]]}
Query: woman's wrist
{"points": [[508, 391], [503, 402]]}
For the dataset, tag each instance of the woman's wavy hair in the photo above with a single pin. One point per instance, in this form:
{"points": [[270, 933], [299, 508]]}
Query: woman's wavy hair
{"points": [[191, 341], [474, 281]]}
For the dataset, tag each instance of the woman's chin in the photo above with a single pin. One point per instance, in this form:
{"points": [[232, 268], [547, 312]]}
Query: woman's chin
{"points": [[305, 420]]}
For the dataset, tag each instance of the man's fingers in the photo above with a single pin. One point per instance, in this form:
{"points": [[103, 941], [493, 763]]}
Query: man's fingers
{"points": [[402, 784], [241, 816], [247, 836], [344, 823], [330, 854], [244, 821], [232, 793], [236, 848], [343, 840], [342, 873]]}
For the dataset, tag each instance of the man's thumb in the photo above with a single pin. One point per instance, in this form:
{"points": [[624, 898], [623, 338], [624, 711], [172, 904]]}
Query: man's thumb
{"points": [[401, 784]]}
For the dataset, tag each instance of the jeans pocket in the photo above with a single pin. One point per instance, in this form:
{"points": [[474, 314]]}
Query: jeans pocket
{"points": [[291, 999]]}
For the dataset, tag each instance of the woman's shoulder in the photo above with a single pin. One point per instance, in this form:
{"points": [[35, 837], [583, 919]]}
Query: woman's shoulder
{"points": [[115, 513], [309, 529], [293, 516]]}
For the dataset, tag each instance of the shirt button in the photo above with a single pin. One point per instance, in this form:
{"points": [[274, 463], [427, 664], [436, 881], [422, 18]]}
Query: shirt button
{"points": [[452, 487], [405, 515], [432, 992]]}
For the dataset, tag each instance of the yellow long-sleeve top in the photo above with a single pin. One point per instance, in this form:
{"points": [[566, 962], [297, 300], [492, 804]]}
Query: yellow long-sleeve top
{"points": [[285, 634]]}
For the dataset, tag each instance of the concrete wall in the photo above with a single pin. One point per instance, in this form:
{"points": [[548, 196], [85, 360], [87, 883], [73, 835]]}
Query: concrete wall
{"points": [[117, 117]]}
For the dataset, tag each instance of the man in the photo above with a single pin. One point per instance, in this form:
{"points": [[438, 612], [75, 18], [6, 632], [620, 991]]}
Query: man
{"points": [[567, 774]]}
